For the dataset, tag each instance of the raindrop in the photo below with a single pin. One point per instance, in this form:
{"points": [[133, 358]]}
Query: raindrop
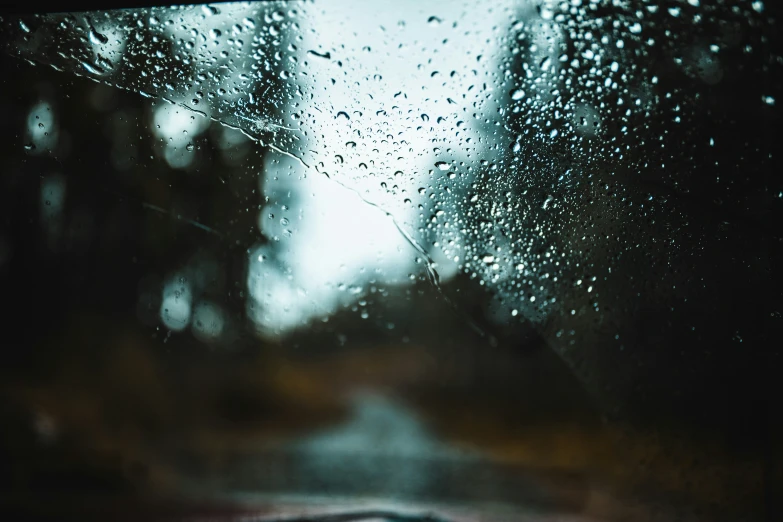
{"points": [[91, 68], [517, 94], [442, 165], [97, 38], [327, 55], [545, 12]]}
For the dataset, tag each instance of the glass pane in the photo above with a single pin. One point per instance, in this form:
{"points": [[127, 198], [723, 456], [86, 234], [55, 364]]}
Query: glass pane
{"points": [[509, 260]]}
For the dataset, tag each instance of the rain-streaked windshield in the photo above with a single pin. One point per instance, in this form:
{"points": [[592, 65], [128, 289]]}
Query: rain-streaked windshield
{"points": [[520, 254]]}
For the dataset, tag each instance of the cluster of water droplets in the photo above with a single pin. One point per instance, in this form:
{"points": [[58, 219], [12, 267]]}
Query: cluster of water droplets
{"points": [[500, 148]]}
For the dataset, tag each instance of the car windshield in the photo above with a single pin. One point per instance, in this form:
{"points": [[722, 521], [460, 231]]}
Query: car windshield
{"points": [[501, 260]]}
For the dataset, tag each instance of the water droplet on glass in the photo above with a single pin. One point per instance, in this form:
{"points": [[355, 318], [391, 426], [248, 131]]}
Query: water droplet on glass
{"points": [[442, 165], [434, 21], [97, 38], [517, 94], [325, 56], [545, 12]]}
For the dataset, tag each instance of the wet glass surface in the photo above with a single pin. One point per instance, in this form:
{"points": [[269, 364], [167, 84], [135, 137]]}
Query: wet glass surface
{"points": [[517, 259]]}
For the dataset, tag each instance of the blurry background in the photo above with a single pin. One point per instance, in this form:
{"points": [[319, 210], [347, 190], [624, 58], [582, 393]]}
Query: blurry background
{"points": [[516, 255]]}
